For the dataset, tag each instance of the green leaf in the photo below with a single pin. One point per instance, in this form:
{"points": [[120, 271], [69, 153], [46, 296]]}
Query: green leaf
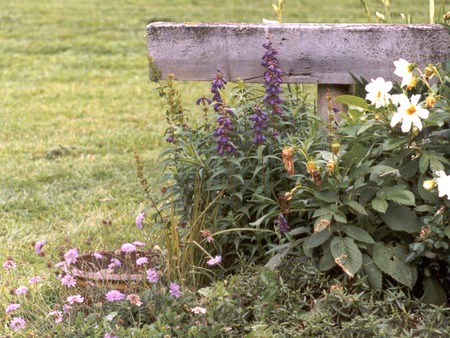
{"points": [[367, 125], [424, 162], [346, 254], [398, 194], [401, 218], [358, 234], [447, 231], [433, 292], [317, 239], [374, 275], [379, 205], [392, 261], [351, 100], [355, 206], [354, 155], [326, 261], [340, 217], [327, 196], [383, 170]]}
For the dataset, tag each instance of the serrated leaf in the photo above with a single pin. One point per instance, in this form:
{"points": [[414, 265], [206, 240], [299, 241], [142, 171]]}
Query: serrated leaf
{"points": [[355, 206], [374, 275], [327, 260], [379, 205], [401, 218], [346, 254], [359, 234], [392, 261], [398, 194], [317, 239], [322, 222], [340, 217], [354, 155], [351, 100]]}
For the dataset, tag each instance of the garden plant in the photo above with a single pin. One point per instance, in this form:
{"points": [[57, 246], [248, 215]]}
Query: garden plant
{"points": [[267, 221]]}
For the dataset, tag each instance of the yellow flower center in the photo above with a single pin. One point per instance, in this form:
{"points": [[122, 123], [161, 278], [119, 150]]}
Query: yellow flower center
{"points": [[411, 110]]}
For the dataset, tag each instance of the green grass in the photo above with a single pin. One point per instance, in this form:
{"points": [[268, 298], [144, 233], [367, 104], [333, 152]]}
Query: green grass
{"points": [[76, 103]]}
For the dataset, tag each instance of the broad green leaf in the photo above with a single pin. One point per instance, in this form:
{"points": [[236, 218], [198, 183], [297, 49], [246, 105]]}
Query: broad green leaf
{"points": [[374, 275], [327, 196], [340, 217], [447, 231], [346, 254], [398, 194], [383, 170], [401, 218], [424, 162], [355, 206], [354, 155], [317, 239], [392, 261], [367, 125], [392, 143], [351, 100], [433, 292], [322, 222], [326, 261], [358, 234], [379, 205]]}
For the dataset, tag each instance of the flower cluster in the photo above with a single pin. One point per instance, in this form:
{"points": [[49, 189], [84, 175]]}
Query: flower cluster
{"points": [[409, 110], [272, 77], [260, 120], [282, 224]]}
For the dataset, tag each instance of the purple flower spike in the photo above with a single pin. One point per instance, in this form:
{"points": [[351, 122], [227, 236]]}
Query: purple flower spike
{"points": [[282, 224], [260, 120], [272, 77]]}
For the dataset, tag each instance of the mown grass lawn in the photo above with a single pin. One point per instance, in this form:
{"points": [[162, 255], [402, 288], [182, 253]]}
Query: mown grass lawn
{"points": [[76, 103]]}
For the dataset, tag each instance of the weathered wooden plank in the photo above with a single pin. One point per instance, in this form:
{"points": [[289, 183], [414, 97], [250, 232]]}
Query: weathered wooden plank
{"points": [[308, 53]]}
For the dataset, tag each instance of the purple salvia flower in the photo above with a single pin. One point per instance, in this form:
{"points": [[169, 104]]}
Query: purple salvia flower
{"points": [[272, 78], [282, 224], [174, 290], [260, 120], [218, 83]]}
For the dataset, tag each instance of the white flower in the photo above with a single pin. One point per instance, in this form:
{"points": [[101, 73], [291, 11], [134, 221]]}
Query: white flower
{"points": [[378, 92], [198, 309], [443, 183], [409, 112], [404, 69]]}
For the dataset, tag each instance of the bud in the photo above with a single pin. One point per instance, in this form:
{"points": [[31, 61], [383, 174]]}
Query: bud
{"points": [[335, 146], [412, 83], [446, 16], [288, 160], [311, 166], [429, 184], [429, 71], [430, 101], [330, 165], [377, 117]]}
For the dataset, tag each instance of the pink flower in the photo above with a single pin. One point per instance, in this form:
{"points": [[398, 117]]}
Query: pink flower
{"points": [[21, 290], [137, 243], [68, 280], [139, 220], [75, 299], [128, 247], [38, 246], [11, 307], [214, 261], [114, 295], [71, 256], [115, 263], [174, 290], [57, 316], [97, 255], [34, 279], [198, 310], [152, 275], [60, 264], [109, 335], [9, 264], [142, 261], [134, 299], [17, 323]]}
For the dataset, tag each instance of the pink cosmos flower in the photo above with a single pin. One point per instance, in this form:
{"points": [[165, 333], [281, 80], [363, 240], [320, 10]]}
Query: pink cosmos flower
{"points": [[114, 295], [128, 247], [214, 261], [198, 310], [17, 323], [21, 290], [142, 261], [38, 246], [152, 275], [11, 307], [57, 316], [75, 299]]}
